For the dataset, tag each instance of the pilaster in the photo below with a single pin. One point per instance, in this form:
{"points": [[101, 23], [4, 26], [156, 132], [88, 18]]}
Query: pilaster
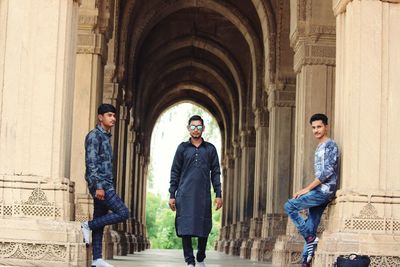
{"points": [[36, 193], [88, 95], [365, 215], [247, 191], [313, 40]]}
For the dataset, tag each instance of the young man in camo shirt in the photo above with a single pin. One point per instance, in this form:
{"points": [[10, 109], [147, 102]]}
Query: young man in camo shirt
{"points": [[316, 196], [99, 177]]}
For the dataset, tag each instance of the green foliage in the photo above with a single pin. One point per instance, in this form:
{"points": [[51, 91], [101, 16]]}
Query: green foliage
{"points": [[159, 218], [160, 222]]}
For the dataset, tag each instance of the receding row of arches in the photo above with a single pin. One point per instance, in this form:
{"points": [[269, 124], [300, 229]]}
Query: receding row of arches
{"points": [[231, 57]]}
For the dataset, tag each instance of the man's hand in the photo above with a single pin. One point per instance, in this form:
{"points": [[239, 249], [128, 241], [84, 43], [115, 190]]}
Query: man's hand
{"points": [[100, 194], [301, 192], [218, 203], [171, 204]]}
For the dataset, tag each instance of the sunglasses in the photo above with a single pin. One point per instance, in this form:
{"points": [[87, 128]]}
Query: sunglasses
{"points": [[193, 127]]}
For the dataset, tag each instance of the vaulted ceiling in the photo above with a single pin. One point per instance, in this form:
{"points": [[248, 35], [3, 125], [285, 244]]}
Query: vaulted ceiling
{"points": [[216, 53]]}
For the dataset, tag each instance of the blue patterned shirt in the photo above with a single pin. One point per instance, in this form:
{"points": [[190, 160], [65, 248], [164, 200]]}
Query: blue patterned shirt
{"points": [[98, 156], [326, 165]]}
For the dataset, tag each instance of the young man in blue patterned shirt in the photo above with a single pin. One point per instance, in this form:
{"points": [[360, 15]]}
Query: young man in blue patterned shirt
{"points": [[316, 196], [99, 177]]}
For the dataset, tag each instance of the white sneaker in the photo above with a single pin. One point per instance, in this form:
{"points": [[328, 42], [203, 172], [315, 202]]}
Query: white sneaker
{"points": [[101, 263], [85, 232], [201, 264], [190, 265]]}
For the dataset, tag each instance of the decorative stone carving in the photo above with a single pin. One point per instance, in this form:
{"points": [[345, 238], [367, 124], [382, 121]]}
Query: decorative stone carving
{"points": [[87, 22], [89, 43], [384, 261], [310, 54], [37, 205], [248, 138], [261, 118], [280, 98], [33, 251], [369, 221]]}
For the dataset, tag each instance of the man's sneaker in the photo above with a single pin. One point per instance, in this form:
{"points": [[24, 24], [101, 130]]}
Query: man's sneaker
{"points": [[305, 264], [201, 264], [85, 232], [312, 242], [101, 263], [190, 265]]}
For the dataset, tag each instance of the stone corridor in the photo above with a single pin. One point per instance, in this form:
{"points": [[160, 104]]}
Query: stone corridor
{"points": [[174, 258]]}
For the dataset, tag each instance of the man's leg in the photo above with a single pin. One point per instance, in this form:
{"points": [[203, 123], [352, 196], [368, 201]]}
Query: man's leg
{"points": [[314, 217], [119, 212], [312, 222], [201, 248], [188, 249], [295, 205], [99, 210]]}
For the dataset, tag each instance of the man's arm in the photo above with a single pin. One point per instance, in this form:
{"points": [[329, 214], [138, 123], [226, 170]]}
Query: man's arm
{"points": [[307, 189], [216, 178], [92, 146], [329, 164], [175, 176]]}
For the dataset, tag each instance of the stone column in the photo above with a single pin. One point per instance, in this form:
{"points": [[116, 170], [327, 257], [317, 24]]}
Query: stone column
{"points": [[365, 216], [260, 181], [141, 201], [234, 246], [88, 94], [129, 167], [229, 198], [247, 191], [313, 39], [37, 55], [135, 190], [281, 101]]}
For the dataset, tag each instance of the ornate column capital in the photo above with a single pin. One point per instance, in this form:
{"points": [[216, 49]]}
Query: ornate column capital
{"points": [[237, 152], [281, 98], [261, 118], [91, 43], [247, 138], [315, 46], [339, 6]]}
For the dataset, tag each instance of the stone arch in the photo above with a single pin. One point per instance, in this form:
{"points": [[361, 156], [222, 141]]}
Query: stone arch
{"points": [[210, 46], [224, 9], [205, 66], [198, 93]]}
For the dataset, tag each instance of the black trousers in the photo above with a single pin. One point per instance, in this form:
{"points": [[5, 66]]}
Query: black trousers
{"points": [[188, 249]]}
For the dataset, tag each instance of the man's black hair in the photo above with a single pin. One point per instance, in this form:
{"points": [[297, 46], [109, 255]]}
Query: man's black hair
{"points": [[104, 108], [196, 118], [319, 117]]}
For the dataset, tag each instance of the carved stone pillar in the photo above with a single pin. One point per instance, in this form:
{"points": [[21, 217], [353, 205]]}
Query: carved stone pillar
{"points": [[247, 191], [234, 245], [260, 181], [37, 55], [90, 58], [280, 158], [313, 40], [128, 177], [365, 216], [228, 174]]}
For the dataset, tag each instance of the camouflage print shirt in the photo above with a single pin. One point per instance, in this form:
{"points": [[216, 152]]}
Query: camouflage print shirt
{"points": [[98, 157], [326, 165]]}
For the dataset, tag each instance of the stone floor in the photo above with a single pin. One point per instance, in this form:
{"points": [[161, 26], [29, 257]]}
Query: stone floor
{"points": [[174, 258]]}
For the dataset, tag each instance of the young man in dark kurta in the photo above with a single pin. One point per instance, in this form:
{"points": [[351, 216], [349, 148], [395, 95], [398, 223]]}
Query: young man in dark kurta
{"points": [[194, 168]]}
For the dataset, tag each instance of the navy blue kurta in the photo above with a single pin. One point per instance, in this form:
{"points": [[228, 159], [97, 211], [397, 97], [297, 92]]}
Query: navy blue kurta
{"points": [[193, 170]]}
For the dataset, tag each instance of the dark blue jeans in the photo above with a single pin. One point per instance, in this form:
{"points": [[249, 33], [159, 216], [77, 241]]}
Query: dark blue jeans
{"points": [[315, 201], [102, 217], [188, 249]]}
